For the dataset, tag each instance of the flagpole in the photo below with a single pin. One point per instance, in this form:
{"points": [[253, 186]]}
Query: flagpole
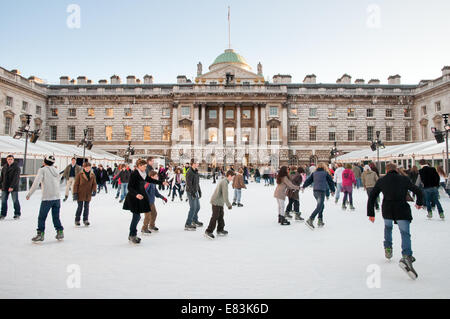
{"points": [[229, 29]]}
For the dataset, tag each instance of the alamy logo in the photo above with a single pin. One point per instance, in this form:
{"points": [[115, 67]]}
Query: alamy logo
{"points": [[74, 279], [74, 19], [374, 16], [374, 279]]}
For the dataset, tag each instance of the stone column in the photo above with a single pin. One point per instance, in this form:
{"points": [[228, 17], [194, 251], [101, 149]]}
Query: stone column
{"points": [[196, 125], [284, 123], [220, 132], [238, 125], [263, 132], [202, 126], [256, 126], [175, 134]]}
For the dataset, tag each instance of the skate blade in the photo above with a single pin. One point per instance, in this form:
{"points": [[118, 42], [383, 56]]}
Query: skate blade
{"points": [[411, 274], [208, 237], [309, 226]]}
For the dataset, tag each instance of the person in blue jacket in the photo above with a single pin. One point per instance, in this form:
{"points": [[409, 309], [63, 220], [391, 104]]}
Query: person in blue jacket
{"points": [[150, 217], [321, 180]]}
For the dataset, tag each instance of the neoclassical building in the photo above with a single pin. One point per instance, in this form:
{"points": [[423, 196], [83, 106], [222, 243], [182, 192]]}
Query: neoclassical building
{"points": [[229, 114]]}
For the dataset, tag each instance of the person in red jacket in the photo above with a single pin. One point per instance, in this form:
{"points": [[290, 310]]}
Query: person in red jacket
{"points": [[348, 180]]}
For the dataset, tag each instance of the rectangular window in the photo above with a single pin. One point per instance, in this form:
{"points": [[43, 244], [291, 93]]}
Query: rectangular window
{"points": [[212, 114], [388, 112], [72, 112], [212, 135], [351, 135], [437, 105], [424, 132], [127, 111], [109, 112], [146, 111], [293, 112], [229, 114], [229, 134], [108, 133], [71, 133], [273, 111], [38, 109], [9, 101], [8, 122], [408, 134], [146, 133], [332, 134], [293, 133], [166, 133], [350, 112], [369, 113], [246, 114], [91, 112], [54, 112], [312, 133], [90, 133], [127, 133], [313, 112], [407, 112], [274, 133], [186, 111], [24, 106], [389, 133], [332, 112], [370, 133], [424, 110], [53, 133], [166, 112]]}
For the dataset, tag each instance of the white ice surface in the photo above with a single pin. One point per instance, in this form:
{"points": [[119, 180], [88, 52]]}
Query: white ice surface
{"points": [[259, 258]]}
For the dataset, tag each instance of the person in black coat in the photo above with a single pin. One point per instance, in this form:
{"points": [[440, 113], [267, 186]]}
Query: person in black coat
{"points": [[137, 200], [395, 208], [429, 177], [102, 178], [9, 184]]}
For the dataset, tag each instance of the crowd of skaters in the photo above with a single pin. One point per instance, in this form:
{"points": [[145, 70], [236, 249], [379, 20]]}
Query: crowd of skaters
{"points": [[140, 185]]}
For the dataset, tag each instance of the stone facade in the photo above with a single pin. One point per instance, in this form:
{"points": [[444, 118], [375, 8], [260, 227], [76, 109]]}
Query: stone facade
{"points": [[230, 115]]}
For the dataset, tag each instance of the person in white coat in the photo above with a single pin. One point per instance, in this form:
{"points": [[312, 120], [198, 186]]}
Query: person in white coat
{"points": [[338, 180]]}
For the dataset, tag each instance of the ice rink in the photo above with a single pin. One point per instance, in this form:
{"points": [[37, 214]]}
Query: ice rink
{"points": [[258, 259]]}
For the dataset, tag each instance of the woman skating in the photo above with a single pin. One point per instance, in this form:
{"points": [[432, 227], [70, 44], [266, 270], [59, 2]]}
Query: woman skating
{"points": [[283, 184], [369, 178], [348, 180], [238, 185], [85, 186], [293, 195]]}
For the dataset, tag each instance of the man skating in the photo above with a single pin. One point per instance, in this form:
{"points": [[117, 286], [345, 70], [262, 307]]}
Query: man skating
{"points": [[194, 193], [70, 172], [396, 209], [429, 177], [9, 184], [218, 199]]}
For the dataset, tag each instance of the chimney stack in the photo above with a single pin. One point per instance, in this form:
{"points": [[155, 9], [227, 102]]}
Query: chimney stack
{"points": [[64, 80], [115, 79], [394, 79], [131, 79], [148, 79], [15, 71], [374, 81], [82, 80], [310, 79], [345, 79], [103, 81], [445, 70], [359, 81]]}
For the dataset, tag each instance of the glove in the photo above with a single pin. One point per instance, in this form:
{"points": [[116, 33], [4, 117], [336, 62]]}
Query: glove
{"points": [[165, 200], [199, 195], [229, 207], [75, 197], [94, 193]]}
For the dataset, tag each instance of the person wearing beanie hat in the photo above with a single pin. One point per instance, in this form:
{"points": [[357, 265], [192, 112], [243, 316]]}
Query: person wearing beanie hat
{"points": [[48, 177], [369, 179]]}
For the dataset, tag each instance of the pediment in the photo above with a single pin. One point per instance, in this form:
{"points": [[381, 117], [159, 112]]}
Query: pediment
{"points": [[185, 121], [423, 122], [238, 73], [8, 113], [273, 122]]}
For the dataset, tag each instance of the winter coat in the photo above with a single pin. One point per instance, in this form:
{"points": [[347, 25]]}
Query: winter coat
{"points": [[220, 195], [369, 178], [296, 179], [124, 176], [281, 189], [66, 173], [136, 186], [84, 187], [152, 193], [356, 171], [102, 176], [238, 181], [10, 177], [348, 177], [48, 177], [193, 183], [429, 177], [394, 188], [174, 178], [321, 179], [338, 175]]}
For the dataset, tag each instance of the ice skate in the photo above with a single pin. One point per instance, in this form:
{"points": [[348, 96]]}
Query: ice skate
{"points": [[240, 205], [190, 227], [288, 215], [352, 207], [16, 217], [430, 214], [310, 224], [344, 207], [222, 233], [234, 204], [134, 239], [197, 224], [77, 223], [146, 232], [209, 235], [441, 215], [406, 264], [2, 217], [298, 217], [86, 223], [154, 228], [65, 198], [320, 223], [39, 237], [284, 221], [388, 252], [59, 235]]}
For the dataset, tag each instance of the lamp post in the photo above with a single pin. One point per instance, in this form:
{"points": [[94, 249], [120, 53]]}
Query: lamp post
{"points": [[129, 151], [439, 136], [86, 143], [375, 146], [334, 152], [34, 135]]}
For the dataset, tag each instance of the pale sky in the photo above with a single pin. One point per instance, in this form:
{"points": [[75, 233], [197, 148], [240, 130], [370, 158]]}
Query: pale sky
{"points": [[366, 39]]}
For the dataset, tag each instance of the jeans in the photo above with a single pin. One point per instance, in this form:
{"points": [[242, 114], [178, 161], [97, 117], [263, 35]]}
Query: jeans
{"points": [[237, 195], [15, 198], [194, 207], [100, 186], [403, 225], [80, 209], [175, 188], [359, 183], [46, 205], [124, 190], [320, 197], [443, 184], [295, 203], [134, 222], [338, 191], [350, 198], [432, 197]]}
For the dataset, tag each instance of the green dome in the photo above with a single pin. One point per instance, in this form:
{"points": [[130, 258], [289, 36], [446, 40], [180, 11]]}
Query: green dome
{"points": [[229, 56]]}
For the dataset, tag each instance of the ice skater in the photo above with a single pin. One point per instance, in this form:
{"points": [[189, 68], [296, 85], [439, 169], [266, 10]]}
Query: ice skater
{"points": [[283, 184], [150, 217], [84, 188]]}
